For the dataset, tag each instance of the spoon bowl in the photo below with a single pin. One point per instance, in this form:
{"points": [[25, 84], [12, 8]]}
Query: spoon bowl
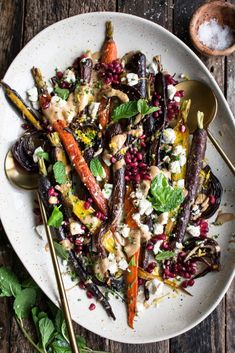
{"points": [[202, 99], [18, 176]]}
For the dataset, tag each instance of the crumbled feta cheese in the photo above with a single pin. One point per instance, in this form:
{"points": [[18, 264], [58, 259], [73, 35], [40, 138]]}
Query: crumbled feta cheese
{"points": [[194, 230], [35, 154], [179, 246], [112, 266], [132, 79], [93, 109], [177, 150], [69, 76], [177, 99], [182, 160], [152, 68], [69, 116], [166, 159], [171, 91], [124, 230], [169, 135], [180, 183], [174, 167], [122, 264], [107, 190], [145, 207], [158, 228], [157, 246], [33, 94], [57, 101], [76, 228], [163, 218]]}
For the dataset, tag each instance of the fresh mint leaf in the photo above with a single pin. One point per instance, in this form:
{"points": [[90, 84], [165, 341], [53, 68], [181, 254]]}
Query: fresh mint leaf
{"points": [[129, 109], [125, 110], [46, 329], [142, 106], [42, 154], [29, 283], [96, 168], [61, 251], [58, 321], [24, 301], [165, 255], [59, 172], [64, 331], [61, 347], [164, 197], [9, 284], [56, 218], [62, 92]]}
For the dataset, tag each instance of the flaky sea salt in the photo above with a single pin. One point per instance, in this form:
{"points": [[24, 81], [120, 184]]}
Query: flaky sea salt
{"points": [[214, 36]]}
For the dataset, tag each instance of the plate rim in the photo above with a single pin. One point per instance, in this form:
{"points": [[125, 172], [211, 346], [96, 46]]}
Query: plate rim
{"points": [[205, 69]]}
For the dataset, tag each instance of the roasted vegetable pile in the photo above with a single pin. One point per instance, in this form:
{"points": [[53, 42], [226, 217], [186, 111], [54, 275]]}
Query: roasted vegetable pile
{"points": [[127, 191]]}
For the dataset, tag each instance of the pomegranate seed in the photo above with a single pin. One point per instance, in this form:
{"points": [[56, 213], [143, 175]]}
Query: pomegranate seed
{"points": [[165, 246], [89, 294], [78, 241], [113, 160], [185, 284], [140, 281], [187, 275], [89, 200], [149, 247], [83, 227], [155, 114], [137, 178], [25, 126], [87, 205], [92, 307], [59, 74], [142, 144], [151, 267], [191, 282], [212, 199], [82, 285], [127, 178], [147, 177], [158, 237]]}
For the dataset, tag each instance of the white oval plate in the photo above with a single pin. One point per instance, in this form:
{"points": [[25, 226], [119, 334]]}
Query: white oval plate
{"points": [[57, 46]]}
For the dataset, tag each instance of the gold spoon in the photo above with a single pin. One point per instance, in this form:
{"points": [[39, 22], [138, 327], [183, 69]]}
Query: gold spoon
{"points": [[27, 181], [203, 99]]}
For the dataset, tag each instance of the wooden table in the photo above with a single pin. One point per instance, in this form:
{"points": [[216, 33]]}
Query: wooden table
{"points": [[23, 19]]}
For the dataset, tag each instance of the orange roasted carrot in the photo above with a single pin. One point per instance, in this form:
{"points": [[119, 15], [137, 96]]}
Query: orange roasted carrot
{"points": [[132, 287], [80, 164], [104, 112], [109, 49], [132, 272]]}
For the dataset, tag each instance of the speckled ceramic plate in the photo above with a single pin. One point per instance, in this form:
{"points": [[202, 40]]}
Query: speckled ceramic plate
{"points": [[58, 45]]}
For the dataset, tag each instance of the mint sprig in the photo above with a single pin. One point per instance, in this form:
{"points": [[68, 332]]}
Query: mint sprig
{"points": [[56, 218], [59, 172], [132, 108]]}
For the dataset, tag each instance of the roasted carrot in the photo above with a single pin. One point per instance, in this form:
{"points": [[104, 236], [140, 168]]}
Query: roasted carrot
{"points": [[20, 104], [132, 287], [109, 49], [80, 164], [132, 272], [104, 112]]}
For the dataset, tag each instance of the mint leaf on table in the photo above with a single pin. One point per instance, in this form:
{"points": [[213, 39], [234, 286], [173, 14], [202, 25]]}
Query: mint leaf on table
{"points": [[62, 92], [56, 218], [165, 197], [125, 110], [9, 284], [164, 255], [61, 251], [24, 302], [59, 172], [46, 329], [96, 168]]}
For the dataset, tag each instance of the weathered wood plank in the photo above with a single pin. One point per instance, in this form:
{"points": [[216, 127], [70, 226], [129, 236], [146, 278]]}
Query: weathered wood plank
{"points": [[11, 27]]}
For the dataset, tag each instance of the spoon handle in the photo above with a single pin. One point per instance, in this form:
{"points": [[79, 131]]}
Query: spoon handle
{"points": [[59, 280], [221, 152]]}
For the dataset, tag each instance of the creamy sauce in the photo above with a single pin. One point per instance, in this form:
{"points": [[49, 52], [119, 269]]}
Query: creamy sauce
{"points": [[61, 111], [101, 266], [117, 142]]}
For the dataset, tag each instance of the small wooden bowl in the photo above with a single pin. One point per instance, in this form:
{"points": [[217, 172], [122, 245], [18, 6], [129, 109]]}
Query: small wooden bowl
{"points": [[224, 13]]}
